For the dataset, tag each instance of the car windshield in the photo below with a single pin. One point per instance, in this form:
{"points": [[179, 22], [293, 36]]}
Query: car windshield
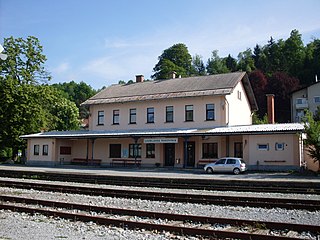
{"points": [[242, 161]]}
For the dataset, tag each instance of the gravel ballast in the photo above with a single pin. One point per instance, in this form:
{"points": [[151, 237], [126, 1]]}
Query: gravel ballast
{"points": [[24, 226]]}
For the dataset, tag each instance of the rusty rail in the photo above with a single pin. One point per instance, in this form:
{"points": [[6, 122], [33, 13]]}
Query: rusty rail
{"points": [[149, 226], [311, 205]]}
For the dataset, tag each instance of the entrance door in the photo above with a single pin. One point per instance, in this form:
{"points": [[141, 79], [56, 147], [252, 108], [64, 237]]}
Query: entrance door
{"points": [[191, 154], [238, 149], [169, 154]]}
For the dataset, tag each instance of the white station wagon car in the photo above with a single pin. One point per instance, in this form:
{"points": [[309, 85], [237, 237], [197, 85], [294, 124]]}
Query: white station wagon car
{"points": [[226, 164]]}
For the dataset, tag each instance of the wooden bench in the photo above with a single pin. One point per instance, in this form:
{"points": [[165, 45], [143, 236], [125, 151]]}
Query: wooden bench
{"points": [[83, 161], [125, 162], [203, 162]]}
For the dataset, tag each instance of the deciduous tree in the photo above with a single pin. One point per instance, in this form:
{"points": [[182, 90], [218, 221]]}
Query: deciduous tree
{"points": [[176, 58], [312, 141], [216, 65], [27, 105]]}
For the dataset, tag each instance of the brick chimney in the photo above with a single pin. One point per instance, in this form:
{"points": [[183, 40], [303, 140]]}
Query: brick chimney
{"points": [[139, 78], [270, 107]]}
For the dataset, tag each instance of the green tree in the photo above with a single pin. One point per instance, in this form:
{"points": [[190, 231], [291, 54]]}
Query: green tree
{"points": [[21, 112], [176, 58], [25, 60], [26, 103], [246, 61], [216, 65], [77, 93], [312, 130], [256, 120], [231, 63], [198, 66], [294, 52]]}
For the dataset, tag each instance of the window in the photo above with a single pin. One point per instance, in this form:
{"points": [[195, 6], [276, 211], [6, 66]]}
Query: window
{"points": [[134, 150], [239, 95], [116, 117], [45, 150], [150, 115], [221, 161], [210, 112], [264, 147], [36, 149], [299, 101], [317, 99], [115, 150], [169, 114], [133, 116], [231, 161], [210, 150], [189, 113], [100, 117], [279, 146], [150, 150], [65, 150]]}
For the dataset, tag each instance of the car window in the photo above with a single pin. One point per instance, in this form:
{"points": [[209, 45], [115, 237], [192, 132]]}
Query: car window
{"points": [[242, 161], [221, 161], [231, 161]]}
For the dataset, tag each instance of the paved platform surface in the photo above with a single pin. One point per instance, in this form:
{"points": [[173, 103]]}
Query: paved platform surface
{"points": [[167, 173]]}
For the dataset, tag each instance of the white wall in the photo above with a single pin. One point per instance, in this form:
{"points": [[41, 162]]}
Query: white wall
{"points": [[239, 107], [41, 159], [274, 159], [199, 108]]}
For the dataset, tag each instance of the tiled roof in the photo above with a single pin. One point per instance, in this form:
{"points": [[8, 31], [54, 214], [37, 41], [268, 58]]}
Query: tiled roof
{"points": [[220, 84], [232, 130]]}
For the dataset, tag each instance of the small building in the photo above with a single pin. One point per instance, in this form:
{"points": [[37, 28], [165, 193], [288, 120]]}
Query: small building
{"points": [[178, 123], [307, 98]]}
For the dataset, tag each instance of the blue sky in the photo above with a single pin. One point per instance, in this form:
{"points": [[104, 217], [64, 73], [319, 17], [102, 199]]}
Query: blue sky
{"points": [[101, 42]]}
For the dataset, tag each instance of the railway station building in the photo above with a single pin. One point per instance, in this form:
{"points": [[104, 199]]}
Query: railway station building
{"points": [[175, 123]]}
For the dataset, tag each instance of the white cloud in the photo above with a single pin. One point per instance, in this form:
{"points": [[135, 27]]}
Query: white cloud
{"points": [[61, 68]]}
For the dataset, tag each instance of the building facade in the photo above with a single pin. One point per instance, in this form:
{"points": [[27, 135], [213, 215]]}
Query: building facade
{"points": [[179, 122], [307, 98]]}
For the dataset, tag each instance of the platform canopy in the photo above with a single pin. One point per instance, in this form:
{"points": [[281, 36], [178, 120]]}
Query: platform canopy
{"points": [[175, 132]]}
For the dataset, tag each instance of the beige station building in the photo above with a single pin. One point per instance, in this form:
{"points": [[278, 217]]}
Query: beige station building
{"points": [[174, 123]]}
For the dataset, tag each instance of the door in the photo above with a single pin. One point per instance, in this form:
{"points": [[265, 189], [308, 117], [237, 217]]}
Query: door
{"points": [[238, 149], [190, 154], [169, 154], [219, 166]]}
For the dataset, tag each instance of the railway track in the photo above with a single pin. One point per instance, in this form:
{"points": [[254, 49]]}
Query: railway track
{"points": [[175, 223], [311, 205], [178, 183]]}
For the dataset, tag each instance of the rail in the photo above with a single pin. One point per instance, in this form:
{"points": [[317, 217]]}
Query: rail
{"points": [[232, 231]]}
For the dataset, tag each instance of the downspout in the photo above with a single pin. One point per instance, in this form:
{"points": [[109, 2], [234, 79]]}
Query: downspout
{"points": [[227, 111]]}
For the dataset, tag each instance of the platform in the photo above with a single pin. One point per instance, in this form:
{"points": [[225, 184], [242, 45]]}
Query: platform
{"points": [[168, 173]]}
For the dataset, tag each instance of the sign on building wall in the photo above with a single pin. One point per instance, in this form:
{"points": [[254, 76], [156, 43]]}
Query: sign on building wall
{"points": [[160, 140]]}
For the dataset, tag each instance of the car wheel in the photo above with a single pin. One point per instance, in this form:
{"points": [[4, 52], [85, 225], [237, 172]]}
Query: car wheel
{"points": [[236, 171], [209, 170]]}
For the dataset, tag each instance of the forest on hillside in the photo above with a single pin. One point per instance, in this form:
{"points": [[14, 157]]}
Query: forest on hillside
{"points": [[278, 67], [29, 103]]}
